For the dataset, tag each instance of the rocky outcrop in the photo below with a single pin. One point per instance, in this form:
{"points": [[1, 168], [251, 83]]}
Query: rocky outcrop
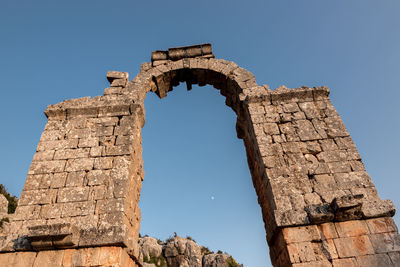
{"points": [[181, 252]]}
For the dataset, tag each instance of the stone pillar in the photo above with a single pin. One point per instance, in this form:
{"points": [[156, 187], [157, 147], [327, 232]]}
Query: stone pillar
{"points": [[83, 186], [320, 206]]}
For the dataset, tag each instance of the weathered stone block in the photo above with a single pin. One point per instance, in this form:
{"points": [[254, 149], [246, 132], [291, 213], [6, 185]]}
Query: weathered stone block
{"points": [[49, 258], [75, 179], [39, 167], [374, 260], [351, 228], [84, 164], [301, 252], [301, 234], [110, 205], [385, 242], [41, 196], [328, 231], [112, 75], [57, 144], [72, 194], [43, 155], [103, 163], [98, 177], [381, 225], [51, 211], [353, 246], [78, 209], [58, 180], [71, 153], [349, 262]]}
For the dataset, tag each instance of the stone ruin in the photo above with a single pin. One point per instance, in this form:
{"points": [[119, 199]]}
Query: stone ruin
{"points": [[79, 205]]}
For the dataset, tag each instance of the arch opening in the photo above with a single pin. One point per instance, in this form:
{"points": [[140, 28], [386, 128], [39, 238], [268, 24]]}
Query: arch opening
{"points": [[218, 170]]}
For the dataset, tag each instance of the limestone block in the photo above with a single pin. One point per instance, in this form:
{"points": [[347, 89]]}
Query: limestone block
{"points": [[97, 151], [71, 153], [113, 90], [78, 132], [98, 177], [339, 167], [349, 262], [114, 110], [112, 75], [26, 213], [3, 205], [325, 250], [115, 235], [351, 228], [290, 218], [41, 196], [58, 180], [51, 166], [84, 164], [335, 127], [75, 179], [395, 257], [328, 230], [103, 131], [347, 207], [88, 142], [117, 150], [381, 225], [44, 155], [353, 246], [57, 144], [306, 130], [319, 213], [51, 211], [72, 194], [301, 234], [378, 208], [290, 186], [78, 209], [329, 144], [323, 182], [385, 242], [103, 163], [374, 260], [301, 252], [49, 258], [110, 205]]}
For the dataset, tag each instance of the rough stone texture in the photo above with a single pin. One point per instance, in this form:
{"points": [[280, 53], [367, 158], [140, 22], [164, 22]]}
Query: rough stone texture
{"points": [[84, 257], [3, 205], [305, 167], [179, 252]]}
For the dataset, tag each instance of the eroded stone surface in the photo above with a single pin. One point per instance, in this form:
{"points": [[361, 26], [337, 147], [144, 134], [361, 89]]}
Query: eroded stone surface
{"points": [[87, 170]]}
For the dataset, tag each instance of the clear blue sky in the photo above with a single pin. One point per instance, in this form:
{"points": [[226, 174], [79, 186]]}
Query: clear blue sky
{"points": [[56, 50]]}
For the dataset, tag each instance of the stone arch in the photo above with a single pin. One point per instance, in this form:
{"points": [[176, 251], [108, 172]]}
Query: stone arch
{"points": [[82, 190]]}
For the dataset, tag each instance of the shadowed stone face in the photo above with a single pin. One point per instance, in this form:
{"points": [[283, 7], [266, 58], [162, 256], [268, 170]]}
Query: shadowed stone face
{"points": [[319, 205]]}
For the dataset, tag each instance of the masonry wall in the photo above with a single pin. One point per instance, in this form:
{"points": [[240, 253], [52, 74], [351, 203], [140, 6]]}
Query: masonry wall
{"points": [[319, 205]]}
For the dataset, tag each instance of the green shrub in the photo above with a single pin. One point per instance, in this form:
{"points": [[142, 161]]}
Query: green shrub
{"points": [[3, 220], [231, 262], [157, 261], [190, 238], [206, 251]]}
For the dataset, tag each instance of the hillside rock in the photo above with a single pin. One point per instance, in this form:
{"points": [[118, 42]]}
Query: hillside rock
{"points": [[218, 260], [150, 247], [3, 205], [181, 252]]}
